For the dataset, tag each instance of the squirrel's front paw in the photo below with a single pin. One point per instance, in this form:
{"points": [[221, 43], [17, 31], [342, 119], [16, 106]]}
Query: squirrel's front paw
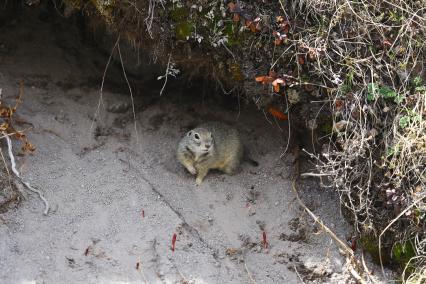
{"points": [[198, 181], [192, 170]]}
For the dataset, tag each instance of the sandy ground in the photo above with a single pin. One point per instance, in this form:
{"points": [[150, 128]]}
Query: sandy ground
{"points": [[98, 174]]}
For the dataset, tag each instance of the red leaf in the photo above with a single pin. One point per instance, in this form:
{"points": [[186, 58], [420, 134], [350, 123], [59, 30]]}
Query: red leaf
{"points": [[301, 60], [278, 81], [286, 29], [260, 78], [277, 113], [264, 79], [339, 104], [276, 88]]}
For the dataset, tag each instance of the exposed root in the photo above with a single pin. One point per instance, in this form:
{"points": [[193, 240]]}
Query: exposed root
{"points": [[130, 90], [15, 171], [100, 100], [298, 274]]}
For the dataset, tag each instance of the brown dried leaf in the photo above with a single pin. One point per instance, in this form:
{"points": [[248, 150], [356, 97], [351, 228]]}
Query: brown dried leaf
{"points": [[264, 79], [277, 113], [276, 88]]}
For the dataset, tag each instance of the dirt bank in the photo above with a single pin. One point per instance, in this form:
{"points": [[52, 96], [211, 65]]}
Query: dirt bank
{"points": [[98, 174]]}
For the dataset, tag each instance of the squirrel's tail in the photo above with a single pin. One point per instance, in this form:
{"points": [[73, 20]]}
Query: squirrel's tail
{"points": [[251, 162], [247, 158]]}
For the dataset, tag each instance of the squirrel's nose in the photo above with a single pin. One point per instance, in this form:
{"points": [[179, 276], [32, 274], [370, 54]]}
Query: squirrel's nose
{"points": [[207, 146]]}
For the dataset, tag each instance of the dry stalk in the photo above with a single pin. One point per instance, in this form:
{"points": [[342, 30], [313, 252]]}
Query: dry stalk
{"points": [[130, 91], [100, 100], [356, 266], [414, 203], [166, 75], [376, 165]]}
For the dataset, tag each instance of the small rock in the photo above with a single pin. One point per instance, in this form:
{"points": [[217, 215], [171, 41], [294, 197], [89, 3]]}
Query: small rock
{"points": [[261, 224], [252, 211], [312, 124], [293, 96]]}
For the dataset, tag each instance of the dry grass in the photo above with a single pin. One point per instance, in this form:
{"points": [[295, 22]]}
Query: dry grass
{"points": [[374, 59]]}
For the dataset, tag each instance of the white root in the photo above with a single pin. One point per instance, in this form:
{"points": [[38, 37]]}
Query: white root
{"points": [[15, 171]]}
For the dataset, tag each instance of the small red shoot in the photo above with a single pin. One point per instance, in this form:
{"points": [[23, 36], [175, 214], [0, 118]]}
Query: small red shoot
{"points": [[86, 252], [173, 241], [137, 265], [264, 240], [142, 213], [353, 244]]}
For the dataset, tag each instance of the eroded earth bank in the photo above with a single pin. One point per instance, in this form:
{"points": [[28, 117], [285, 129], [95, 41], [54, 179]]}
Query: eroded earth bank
{"points": [[99, 172]]}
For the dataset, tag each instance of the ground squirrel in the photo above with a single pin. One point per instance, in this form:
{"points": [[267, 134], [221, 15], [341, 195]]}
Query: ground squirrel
{"points": [[212, 145]]}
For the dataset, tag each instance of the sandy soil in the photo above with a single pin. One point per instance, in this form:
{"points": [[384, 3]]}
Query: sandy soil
{"points": [[98, 174]]}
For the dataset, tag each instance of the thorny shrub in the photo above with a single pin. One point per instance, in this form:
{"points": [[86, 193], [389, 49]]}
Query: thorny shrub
{"points": [[6, 121]]}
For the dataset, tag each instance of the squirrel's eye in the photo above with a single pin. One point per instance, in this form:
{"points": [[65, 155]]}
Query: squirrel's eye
{"points": [[197, 137], [189, 133]]}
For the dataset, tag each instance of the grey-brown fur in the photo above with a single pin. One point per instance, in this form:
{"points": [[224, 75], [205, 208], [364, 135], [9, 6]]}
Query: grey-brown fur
{"points": [[218, 147]]}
